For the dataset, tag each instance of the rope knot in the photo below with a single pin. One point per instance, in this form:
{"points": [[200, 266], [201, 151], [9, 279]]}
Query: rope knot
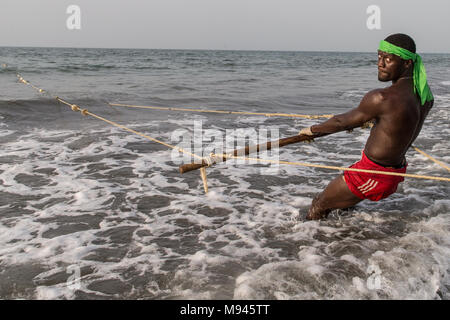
{"points": [[75, 107], [84, 112], [208, 161]]}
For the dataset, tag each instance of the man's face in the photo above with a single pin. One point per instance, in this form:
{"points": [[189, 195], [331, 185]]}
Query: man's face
{"points": [[390, 66]]}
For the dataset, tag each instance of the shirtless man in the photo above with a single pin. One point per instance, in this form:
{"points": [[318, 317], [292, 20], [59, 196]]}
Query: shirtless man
{"points": [[397, 112]]}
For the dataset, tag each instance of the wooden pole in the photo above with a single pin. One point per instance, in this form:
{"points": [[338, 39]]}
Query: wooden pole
{"points": [[205, 181], [251, 149]]}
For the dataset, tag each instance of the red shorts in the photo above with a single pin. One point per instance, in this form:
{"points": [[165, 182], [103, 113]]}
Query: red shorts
{"points": [[369, 185]]}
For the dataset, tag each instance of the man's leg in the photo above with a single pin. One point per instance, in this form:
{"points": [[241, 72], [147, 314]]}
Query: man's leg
{"points": [[336, 195]]}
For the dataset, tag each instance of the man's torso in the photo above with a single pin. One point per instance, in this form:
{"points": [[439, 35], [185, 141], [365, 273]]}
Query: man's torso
{"points": [[395, 127]]}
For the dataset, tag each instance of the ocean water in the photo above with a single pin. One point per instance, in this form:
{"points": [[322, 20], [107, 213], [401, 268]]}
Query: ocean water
{"points": [[89, 211]]}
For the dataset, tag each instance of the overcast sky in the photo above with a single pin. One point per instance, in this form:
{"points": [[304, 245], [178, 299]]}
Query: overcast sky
{"points": [[312, 25]]}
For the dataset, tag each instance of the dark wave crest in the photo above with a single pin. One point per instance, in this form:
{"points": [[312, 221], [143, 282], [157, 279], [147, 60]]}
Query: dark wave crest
{"points": [[43, 112]]}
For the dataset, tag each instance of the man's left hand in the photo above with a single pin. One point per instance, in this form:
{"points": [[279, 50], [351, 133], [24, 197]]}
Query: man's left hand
{"points": [[306, 132]]}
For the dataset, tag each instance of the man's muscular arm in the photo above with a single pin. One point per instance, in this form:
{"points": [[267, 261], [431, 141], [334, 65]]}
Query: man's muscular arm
{"points": [[368, 109]]}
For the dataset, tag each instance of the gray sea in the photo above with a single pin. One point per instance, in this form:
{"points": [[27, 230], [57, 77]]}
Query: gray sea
{"points": [[90, 211]]}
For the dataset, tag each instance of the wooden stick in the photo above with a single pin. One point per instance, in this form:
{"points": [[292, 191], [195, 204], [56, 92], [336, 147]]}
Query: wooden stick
{"points": [[251, 149], [205, 181]]}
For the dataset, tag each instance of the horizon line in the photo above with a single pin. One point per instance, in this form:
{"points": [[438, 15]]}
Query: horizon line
{"points": [[201, 49]]}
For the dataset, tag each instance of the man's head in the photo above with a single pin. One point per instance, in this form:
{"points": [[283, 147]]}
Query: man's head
{"points": [[390, 66]]}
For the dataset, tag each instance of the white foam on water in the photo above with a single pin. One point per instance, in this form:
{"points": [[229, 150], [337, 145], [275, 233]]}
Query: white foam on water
{"points": [[414, 269], [138, 229], [5, 132]]}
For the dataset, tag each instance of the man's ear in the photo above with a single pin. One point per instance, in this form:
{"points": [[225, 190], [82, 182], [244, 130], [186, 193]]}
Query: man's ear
{"points": [[408, 64]]}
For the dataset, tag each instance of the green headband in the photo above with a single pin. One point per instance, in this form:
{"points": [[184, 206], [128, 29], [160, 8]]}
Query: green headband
{"points": [[419, 73]]}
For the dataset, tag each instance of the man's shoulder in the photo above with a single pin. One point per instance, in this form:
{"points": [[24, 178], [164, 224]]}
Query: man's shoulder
{"points": [[377, 96]]}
